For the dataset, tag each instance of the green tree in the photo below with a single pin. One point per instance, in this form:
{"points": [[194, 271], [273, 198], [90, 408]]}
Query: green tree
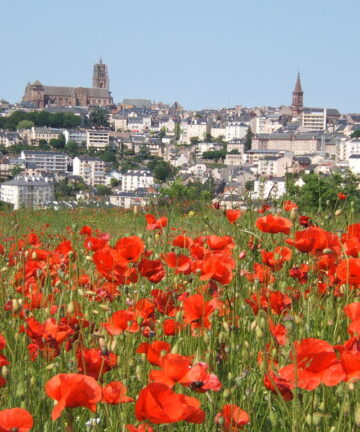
{"points": [[194, 140], [177, 131], [72, 147], [114, 182], [24, 124], [355, 134], [162, 132], [99, 118], [58, 143], [248, 139], [208, 137], [103, 190]]}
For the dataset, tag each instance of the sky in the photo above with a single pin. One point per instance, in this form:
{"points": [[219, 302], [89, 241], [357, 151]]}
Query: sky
{"points": [[201, 53]]}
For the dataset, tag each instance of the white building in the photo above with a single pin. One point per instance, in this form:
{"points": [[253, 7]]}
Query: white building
{"points": [[346, 148], [139, 198], [234, 159], [97, 139], [354, 163], [274, 166], [78, 136], [265, 189], [135, 179], [194, 128], [92, 170], [314, 119], [235, 130], [46, 160], [27, 192]]}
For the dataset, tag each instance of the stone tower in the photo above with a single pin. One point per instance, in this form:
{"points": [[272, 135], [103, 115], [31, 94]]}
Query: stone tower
{"points": [[297, 98], [100, 76]]}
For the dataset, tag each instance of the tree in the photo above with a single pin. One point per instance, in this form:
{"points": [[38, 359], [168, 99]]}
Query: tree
{"points": [[103, 190], [99, 118], [177, 131], [355, 134], [208, 137], [161, 169], [214, 154], [248, 139], [194, 140], [24, 124], [15, 171], [72, 147], [58, 143], [114, 182], [162, 132]]}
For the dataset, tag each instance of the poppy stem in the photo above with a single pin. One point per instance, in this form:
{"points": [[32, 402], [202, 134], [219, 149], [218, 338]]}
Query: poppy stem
{"points": [[69, 422]]}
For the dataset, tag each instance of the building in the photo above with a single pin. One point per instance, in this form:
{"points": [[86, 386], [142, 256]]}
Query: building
{"points": [[8, 139], [140, 198], [314, 119], [197, 128], [354, 163], [92, 170], [46, 160], [41, 96], [97, 139], [235, 130], [27, 192], [274, 166], [78, 136], [135, 179], [297, 105], [346, 148], [266, 189], [298, 143]]}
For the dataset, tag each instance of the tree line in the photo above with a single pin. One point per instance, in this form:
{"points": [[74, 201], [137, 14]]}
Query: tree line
{"points": [[22, 119]]}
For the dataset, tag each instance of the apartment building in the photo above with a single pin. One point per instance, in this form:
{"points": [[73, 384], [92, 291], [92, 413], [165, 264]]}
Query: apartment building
{"points": [[78, 136], [298, 143], [92, 170], [314, 119], [27, 192], [97, 139], [347, 148], [46, 160], [135, 179]]}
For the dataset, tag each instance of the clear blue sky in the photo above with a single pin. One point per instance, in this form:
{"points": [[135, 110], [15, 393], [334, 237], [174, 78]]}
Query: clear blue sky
{"points": [[202, 53]]}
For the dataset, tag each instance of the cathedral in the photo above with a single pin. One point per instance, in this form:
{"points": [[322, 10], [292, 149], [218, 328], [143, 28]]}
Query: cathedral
{"points": [[41, 96], [297, 105]]}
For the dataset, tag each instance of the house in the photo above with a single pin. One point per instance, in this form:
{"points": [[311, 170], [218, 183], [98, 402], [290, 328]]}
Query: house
{"points": [[197, 128], [79, 136], [274, 166], [27, 192], [97, 139], [270, 188], [135, 179], [354, 163], [92, 170], [235, 130], [46, 160], [140, 198], [8, 139]]}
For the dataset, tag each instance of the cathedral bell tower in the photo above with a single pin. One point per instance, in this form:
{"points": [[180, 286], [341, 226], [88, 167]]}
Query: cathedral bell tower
{"points": [[297, 98], [100, 76]]}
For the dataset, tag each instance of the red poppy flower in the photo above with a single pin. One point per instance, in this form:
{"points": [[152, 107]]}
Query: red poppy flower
{"points": [[348, 272], [153, 223], [232, 418], [86, 230], [341, 196], [120, 321], [15, 419], [154, 351], [171, 327], [181, 263], [279, 332], [218, 267], [277, 384], [233, 215], [315, 363], [130, 248], [158, 404], [182, 241], [71, 391], [273, 224], [153, 270], [289, 205], [197, 311], [305, 221], [115, 393], [276, 259], [93, 362]]}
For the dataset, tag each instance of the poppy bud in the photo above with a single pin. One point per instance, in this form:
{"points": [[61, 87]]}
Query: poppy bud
{"points": [[297, 319], [273, 419], [222, 337], [316, 418], [262, 322], [104, 307], [16, 305], [135, 210], [357, 414], [138, 373], [3, 270], [293, 214], [259, 333], [308, 419], [50, 366], [90, 293], [88, 258], [32, 381], [226, 394], [322, 406], [113, 345], [338, 212], [253, 325], [351, 386], [4, 372], [70, 308], [94, 311], [80, 292]]}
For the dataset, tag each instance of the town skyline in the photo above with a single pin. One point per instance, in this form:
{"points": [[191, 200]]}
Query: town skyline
{"points": [[202, 55]]}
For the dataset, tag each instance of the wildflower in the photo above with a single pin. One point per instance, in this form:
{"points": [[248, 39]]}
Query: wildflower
{"points": [[15, 419], [115, 393], [233, 215], [232, 418], [273, 224]]}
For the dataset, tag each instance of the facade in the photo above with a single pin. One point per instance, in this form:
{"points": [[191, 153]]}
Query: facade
{"points": [[194, 128], [135, 179], [297, 105], [298, 143], [347, 148], [92, 170], [354, 163], [27, 192], [97, 139], [274, 166], [46, 160], [314, 119], [235, 130], [41, 96], [78, 136], [8, 139], [139, 198], [265, 189]]}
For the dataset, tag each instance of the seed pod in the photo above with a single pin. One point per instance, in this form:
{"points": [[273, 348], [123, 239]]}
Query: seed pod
{"points": [[338, 212], [308, 419], [293, 214], [357, 414]]}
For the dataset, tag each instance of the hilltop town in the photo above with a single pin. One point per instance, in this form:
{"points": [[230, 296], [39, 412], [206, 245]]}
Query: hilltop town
{"points": [[72, 146]]}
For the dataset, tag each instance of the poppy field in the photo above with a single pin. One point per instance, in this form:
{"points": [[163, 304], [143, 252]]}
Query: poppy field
{"points": [[212, 320]]}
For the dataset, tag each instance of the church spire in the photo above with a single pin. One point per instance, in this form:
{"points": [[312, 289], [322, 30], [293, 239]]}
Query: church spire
{"points": [[297, 98]]}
